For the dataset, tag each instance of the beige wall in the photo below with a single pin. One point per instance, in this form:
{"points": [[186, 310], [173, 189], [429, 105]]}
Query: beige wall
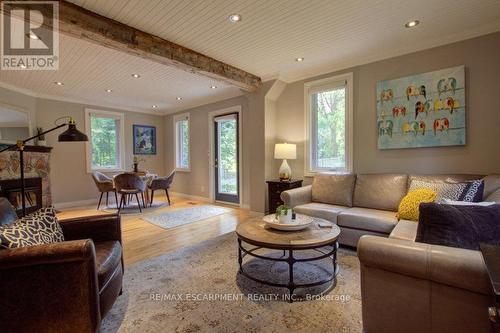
{"points": [[69, 177], [196, 182], [481, 57], [70, 181]]}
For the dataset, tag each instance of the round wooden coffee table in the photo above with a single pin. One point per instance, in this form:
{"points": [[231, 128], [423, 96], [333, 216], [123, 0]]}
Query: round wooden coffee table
{"points": [[322, 240]]}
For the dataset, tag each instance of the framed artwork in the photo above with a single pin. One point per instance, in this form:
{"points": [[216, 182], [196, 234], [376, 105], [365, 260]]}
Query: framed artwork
{"points": [[423, 110], [144, 140]]}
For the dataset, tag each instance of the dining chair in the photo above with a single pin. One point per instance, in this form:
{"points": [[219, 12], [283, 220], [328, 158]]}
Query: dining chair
{"points": [[104, 185], [129, 184], [161, 183]]}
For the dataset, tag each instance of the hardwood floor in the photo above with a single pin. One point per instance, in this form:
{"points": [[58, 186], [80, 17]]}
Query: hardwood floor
{"points": [[143, 240]]}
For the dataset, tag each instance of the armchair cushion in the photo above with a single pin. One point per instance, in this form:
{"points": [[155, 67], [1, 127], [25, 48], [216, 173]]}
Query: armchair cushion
{"points": [[38, 228]]}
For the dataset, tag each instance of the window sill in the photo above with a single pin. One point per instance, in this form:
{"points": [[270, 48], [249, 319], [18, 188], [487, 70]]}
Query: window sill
{"points": [[182, 170]]}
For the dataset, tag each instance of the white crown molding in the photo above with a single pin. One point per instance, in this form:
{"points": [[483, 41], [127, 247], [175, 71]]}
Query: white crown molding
{"points": [[439, 41], [84, 101]]}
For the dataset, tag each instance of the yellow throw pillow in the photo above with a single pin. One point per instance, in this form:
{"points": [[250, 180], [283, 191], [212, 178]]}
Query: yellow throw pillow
{"points": [[408, 207]]}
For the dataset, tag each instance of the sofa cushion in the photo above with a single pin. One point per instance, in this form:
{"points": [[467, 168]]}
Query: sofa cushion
{"points": [[41, 227], [491, 184], [321, 210], [405, 230], [495, 196], [408, 207], [368, 219], [333, 189], [108, 257], [380, 191], [459, 226]]}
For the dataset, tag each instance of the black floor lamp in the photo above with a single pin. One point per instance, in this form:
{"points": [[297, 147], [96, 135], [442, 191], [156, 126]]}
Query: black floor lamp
{"points": [[70, 135]]}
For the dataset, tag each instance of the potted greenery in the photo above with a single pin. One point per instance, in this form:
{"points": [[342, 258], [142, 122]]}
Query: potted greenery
{"points": [[284, 214], [41, 139]]}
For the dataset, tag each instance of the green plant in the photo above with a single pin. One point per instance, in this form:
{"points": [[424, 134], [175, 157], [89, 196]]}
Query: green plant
{"points": [[282, 210]]}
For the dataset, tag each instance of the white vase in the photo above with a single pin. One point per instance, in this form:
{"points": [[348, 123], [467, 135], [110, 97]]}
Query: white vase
{"points": [[287, 218], [285, 171]]}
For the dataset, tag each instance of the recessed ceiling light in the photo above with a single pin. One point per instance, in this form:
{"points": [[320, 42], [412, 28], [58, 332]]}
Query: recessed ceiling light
{"points": [[299, 59], [179, 98], [109, 90], [32, 36], [59, 83], [412, 24], [234, 18], [136, 76], [154, 106], [213, 87]]}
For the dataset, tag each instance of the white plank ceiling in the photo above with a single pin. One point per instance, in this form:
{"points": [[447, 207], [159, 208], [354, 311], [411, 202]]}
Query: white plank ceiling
{"points": [[329, 34]]}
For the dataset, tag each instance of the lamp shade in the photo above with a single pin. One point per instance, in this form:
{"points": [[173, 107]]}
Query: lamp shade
{"points": [[72, 134], [285, 151]]}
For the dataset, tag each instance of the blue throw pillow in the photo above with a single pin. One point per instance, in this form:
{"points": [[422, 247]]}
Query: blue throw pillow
{"points": [[459, 226], [473, 192]]}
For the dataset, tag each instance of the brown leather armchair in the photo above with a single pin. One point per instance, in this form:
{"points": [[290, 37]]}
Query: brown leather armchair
{"points": [[67, 286]]}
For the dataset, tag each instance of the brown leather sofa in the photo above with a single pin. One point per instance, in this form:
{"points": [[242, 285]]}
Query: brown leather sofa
{"points": [[405, 286], [63, 287]]}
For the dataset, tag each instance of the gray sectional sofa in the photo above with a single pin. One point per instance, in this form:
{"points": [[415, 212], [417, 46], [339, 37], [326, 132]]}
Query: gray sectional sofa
{"points": [[405, 286], [360, 204]]}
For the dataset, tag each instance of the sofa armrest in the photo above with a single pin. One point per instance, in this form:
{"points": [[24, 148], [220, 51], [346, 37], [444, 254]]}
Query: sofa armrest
{"points": [[98, 228], [49, 288], [454, 267], [297, 196]]}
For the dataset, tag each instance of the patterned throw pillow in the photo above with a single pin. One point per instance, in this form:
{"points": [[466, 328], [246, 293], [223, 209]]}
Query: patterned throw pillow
{"points": [[38, 228], [473, 192], [409, 206], [444, 190]]}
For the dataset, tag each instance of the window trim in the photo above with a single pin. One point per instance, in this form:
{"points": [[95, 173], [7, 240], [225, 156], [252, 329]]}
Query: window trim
{"points": [[176, 119], [329, 82], [121, 140]]}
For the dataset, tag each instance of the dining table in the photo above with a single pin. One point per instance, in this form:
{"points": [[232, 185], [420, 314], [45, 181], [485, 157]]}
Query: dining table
{"points": [[147, 177]]}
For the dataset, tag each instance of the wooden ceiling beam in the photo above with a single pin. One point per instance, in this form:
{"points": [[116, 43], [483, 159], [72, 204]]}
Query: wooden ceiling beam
{"points": [[84, 24]]}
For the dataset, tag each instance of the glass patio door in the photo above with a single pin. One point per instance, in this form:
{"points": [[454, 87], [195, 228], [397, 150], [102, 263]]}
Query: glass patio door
{"points": [[227, 158]]}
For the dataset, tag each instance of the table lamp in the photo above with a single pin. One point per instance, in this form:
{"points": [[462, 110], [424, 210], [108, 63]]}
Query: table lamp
{"points": [[285, 151]]}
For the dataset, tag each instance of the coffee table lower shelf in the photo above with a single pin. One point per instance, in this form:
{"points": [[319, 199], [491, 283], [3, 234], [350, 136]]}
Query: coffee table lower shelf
{"points": [[291, 260]]}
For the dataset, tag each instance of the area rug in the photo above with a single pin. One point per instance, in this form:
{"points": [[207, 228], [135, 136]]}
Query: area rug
{"points": [[182, 216], [198, 289], [133, 209]]}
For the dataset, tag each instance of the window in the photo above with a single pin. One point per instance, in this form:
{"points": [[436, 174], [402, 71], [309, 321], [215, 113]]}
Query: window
{"points": [[106, 134], [329, 125], [181, 141]]}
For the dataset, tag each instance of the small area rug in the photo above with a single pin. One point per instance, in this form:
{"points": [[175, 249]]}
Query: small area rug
{"points": [[133, 209], [197, 289], [182, 216]]}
